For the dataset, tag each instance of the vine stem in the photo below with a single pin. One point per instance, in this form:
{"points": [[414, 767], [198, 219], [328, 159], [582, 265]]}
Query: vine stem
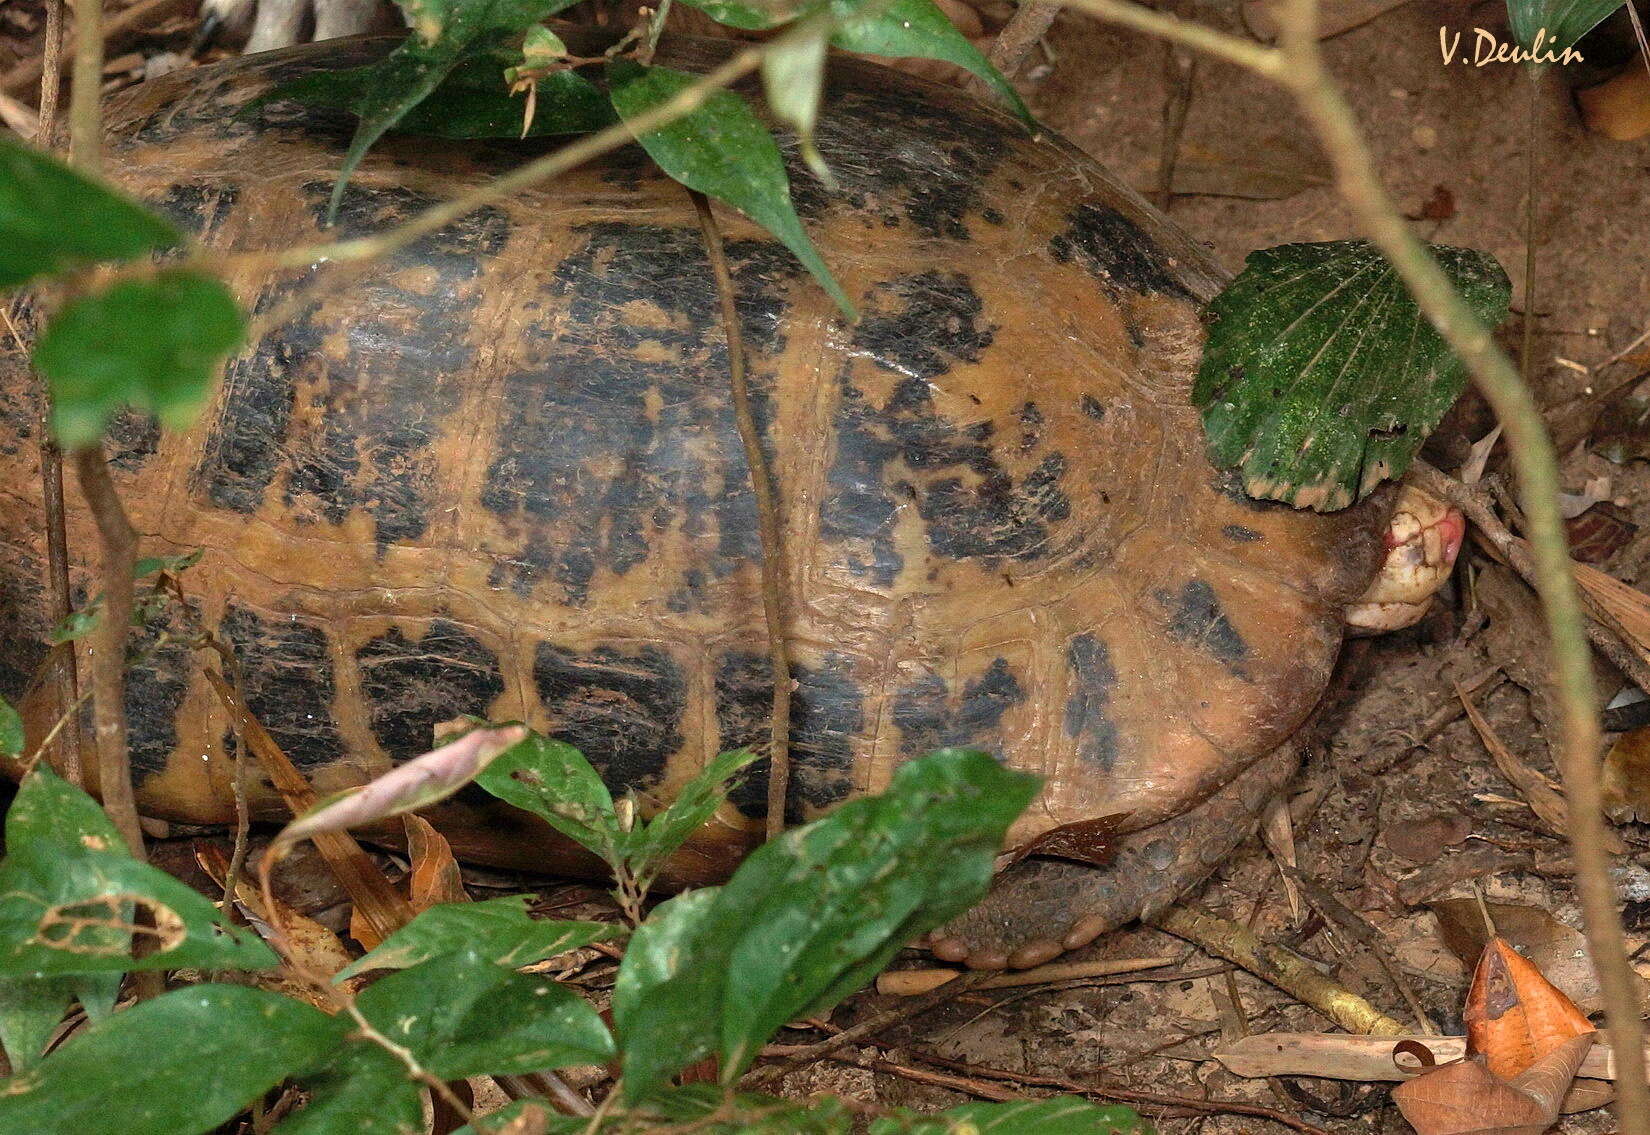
{"points": [[767, 519], [114, 772], [1297, 65]]}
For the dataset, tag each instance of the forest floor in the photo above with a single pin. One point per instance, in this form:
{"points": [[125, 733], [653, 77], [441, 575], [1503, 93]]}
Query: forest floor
{"points": [[1382, 823]]}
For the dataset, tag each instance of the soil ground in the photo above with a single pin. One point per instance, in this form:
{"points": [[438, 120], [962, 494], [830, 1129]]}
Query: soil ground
{"points": [[1452, 143]]}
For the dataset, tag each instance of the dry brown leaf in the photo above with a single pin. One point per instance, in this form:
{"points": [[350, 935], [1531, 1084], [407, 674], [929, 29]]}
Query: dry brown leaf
{"points": [[435, 877], [1466, 1098], [1514, 1015], [1558, 951], [1600, 532], [1086, 841], [1627, 607], [305, 940], [1618, 108], [1538, 789], [1627, 776], [1424, 839], [1267, 167]]}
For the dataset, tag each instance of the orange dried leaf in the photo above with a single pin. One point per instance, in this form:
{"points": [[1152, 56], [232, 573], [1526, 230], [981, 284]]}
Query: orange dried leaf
{"points": [[435, 876], [1466, 1098], [1515, 1016]]}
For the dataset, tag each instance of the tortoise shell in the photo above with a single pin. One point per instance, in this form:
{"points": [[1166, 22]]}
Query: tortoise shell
{"points": [[499, 474]]}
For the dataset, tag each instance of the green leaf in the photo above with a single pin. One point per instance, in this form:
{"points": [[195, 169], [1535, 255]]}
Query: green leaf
{"points": [[811, 916], [363, 1090], [53, 219], [917, 29], [152, 344], [500, 929], [793, 75], [1321, 377], [383, 94], [546, 1120], [184, 1062], [696, 802], [722, 150], [68, 887], [679, 1029], [759, 15], [463, 1015], [32, 1007], [1560, 22], [709, 1109], [1061, 1115], [11, 729], [552, 780]]}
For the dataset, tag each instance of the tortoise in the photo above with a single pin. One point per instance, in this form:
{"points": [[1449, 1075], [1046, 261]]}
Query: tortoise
{"points": [[499, 474]]}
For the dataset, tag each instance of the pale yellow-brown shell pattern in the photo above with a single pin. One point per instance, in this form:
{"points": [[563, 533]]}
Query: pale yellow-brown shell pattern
{"points": [[499, 475]]}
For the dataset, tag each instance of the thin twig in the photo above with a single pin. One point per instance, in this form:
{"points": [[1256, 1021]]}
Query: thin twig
{"points": [[63, 673], [1179, 76], [114, 772], [767, 523], [1029, 24], [866, 1029], [971, 1076], [1526, 359], [51, 78]]}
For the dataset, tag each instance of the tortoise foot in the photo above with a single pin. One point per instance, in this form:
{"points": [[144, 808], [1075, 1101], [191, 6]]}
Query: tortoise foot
{"points": [[1040, 908]]}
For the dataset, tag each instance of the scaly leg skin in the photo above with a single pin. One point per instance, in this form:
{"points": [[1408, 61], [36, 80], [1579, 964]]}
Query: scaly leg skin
{"points": [[1040, 908]]}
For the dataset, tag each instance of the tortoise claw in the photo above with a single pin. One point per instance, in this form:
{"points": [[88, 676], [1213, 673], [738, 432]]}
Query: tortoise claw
{"points": [[1040, 908]]}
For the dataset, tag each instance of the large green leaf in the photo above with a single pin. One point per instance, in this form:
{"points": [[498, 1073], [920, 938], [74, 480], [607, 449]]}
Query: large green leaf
{"points": [[1563, 22], [182, 1063], [811, 916], [153, 344], [1061, 1115], [500, 929], [1321, 377], [52, 218], [552, 780], [793, 78], [917, 29], [666, 1035], [68, 888], [695, 803], [463, 1015], [32, 1007], [362, 1090], [722, 150]]}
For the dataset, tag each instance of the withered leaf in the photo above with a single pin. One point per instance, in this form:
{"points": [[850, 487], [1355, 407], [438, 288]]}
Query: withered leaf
{"points": [[1515, 1017], [435, 876], [1466, 1098], [1086, 841], [1425, 838]]}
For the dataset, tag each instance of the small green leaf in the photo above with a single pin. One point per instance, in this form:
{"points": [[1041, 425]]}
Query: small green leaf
{"points": [[153, 344], [917, 29], [500, 929], [1559, 22], [184, 1062], [708, 1108], [696, 802], [722, 150], [793, 75], [68, 887], [1321, 377], [463, 1015], [11, 730], [1060, 1115], [53, 219], [811, 916], [544, 1120], [383, 94], [552, 780], [473, 101]]}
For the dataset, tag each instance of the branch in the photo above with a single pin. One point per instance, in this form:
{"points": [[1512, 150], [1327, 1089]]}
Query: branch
{"points": [[767, 521], [114, 769]]}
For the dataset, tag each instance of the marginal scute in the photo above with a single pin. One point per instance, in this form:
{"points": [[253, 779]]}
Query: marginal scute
{"points": [[1117, 251]]}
